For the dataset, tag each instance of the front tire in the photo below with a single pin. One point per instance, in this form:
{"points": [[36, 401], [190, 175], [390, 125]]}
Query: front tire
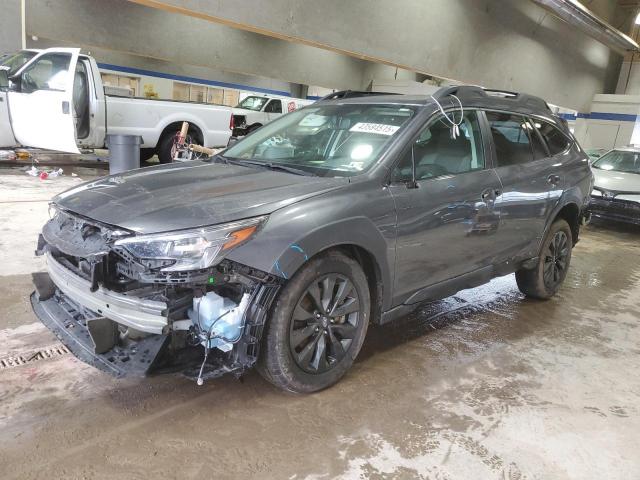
{"points": [[317, 325], [543, 281]]}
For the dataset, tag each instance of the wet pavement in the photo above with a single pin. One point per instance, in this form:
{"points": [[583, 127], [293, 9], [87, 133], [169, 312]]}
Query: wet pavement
{"points": [[482, 385]]}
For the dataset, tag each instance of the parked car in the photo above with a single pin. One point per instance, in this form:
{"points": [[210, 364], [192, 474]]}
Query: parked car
{"points": [[616, 192], [56, 100], [280, 251], [255, 111], [596, 153]]}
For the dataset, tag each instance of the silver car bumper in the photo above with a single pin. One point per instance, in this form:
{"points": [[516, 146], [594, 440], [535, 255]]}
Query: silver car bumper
{"points": [[142, 314]]}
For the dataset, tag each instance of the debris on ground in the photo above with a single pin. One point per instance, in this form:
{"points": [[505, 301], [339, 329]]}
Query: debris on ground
{"points": [[44, 174], [8, 155]]}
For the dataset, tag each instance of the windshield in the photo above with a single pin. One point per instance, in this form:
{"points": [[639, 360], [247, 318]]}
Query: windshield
{"points": [[17, 60], [619, 161], [330, 140], [253, 103]]}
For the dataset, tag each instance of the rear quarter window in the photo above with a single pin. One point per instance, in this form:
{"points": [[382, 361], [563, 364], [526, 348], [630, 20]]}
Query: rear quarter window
{"points": [[556, 141]]}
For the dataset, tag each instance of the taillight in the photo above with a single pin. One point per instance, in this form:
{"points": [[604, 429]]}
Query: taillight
{"points": [[231, 123]]}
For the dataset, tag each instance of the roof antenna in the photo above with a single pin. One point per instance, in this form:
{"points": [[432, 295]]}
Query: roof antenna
{"points": [[455, 126]]}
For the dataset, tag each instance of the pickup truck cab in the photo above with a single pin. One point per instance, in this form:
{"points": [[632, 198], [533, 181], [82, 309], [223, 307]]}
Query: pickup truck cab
{"points": [[56, 101], [255, 111]]}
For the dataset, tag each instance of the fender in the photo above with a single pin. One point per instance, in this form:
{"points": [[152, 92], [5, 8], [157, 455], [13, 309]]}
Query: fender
{"points": [[295, 234], [179, 118], [572, 196]]}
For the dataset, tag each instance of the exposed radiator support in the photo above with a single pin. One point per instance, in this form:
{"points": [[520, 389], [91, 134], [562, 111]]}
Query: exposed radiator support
{"points": [[576, 14]]}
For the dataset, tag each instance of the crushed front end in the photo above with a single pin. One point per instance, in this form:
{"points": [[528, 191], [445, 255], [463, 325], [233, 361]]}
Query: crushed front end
{"points": [[130, 315], [614, 205]]}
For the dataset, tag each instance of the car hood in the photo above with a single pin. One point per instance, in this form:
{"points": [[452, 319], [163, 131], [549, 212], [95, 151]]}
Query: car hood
{"points": [[243, 111], [616, 181], [189, 195]]}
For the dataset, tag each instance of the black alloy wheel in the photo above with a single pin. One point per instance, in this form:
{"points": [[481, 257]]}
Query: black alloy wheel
{"points": [[555, 260], [324, 323]]}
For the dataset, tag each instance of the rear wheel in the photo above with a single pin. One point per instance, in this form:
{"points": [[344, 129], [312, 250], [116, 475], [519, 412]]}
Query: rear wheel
{"points": [[146, 154], [544, 280], [165, 147], [317, 325]]}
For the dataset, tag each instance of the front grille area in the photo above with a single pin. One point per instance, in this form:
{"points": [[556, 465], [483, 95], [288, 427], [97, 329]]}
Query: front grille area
{"points": [[614, 209]]}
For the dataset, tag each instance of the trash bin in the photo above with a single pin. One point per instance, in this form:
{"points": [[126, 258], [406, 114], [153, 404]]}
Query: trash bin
{"points": [[124, 152]]}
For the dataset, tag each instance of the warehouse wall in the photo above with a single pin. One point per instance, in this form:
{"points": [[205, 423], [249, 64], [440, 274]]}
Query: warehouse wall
{"points": [[125, 27], [156, 72], [501, 43], [10, 26]]}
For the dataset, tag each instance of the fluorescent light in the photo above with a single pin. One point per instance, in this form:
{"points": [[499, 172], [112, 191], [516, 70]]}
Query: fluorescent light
{"points": [[638, 19]]}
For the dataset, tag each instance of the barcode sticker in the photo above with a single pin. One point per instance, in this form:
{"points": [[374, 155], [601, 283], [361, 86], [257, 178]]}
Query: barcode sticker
{"points": [[379, 128]]}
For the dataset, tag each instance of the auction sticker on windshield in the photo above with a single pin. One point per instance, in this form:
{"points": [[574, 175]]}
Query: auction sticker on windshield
{"points": [[379, 128]]}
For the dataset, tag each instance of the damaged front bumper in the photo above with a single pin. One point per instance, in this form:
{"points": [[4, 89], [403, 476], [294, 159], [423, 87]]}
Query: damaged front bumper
{"points": [[625, 211], [138, 324], [70, 326]]}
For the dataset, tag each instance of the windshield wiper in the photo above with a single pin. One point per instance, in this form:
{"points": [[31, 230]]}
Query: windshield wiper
{"points": [[216, 158], [271, 166]]}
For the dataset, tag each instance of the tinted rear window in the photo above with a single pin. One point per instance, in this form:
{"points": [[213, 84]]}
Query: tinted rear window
{"points": [[556, 140], [510, 138]]}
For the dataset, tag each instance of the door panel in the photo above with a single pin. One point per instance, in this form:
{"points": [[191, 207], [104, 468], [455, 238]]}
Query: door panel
{"points": [[6, 133], [524, 203], [447, 221], [97, 105], [446, 227], [42, 110]]}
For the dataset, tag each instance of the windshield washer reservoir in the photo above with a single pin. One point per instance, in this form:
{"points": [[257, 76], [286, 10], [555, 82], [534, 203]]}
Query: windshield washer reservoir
{"points": [[219, 320]]}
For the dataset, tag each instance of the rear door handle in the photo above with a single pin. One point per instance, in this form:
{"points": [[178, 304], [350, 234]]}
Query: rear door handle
{"points": [[490, 194], [553, 179]]}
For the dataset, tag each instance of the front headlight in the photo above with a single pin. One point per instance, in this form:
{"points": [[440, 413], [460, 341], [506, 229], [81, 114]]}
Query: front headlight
{"points": [[192, 249]]}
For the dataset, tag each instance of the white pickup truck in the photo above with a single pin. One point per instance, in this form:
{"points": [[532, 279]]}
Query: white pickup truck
{"points": [[255, 111], [56, 101]]}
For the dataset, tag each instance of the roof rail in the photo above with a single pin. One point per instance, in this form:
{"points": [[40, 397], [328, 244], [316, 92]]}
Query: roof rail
{"points": [[352, 94], [469, 93]]}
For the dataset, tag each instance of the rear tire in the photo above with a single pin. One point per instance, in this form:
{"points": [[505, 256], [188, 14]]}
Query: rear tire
{"points": [[164, 147], [146, 154], [317, 325], [543, 281]]}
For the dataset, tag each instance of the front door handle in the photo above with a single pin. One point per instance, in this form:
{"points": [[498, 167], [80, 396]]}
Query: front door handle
{"points": [[65, 107], [553, 179]]}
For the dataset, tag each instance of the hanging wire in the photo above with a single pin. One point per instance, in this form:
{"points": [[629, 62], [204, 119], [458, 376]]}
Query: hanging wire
{"points": [[455, 126]]}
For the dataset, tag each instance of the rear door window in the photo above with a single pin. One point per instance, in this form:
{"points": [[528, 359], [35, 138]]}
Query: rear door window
{"points": [[557, 141], [538, 146], [511, 138]]}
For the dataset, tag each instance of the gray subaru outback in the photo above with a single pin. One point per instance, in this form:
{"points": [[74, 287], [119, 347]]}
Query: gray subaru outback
{"points": [[281, 250]]}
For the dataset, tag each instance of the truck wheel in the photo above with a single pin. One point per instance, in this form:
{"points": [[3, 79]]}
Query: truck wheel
{"points": [[146, 154], [544, 280], [317, 325], [164, 147]]}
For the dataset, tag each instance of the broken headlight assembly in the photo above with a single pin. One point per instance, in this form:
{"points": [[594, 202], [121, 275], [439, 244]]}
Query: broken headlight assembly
{"points": [[191, 249]]}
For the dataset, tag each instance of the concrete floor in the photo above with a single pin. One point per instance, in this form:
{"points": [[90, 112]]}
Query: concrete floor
{"points": [[482, 385]]}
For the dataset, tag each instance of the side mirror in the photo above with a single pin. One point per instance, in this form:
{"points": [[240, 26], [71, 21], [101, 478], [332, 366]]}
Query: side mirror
{"points": [[4, 79], [232, 141]]}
